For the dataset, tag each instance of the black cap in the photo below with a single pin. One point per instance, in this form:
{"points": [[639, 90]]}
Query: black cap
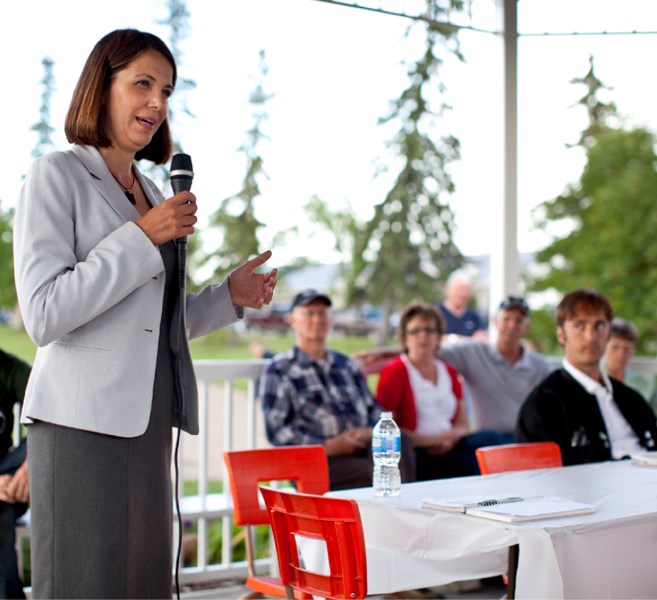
{"points": [[307, 296], [511, 302]]}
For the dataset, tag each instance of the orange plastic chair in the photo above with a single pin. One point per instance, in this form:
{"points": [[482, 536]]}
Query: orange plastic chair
{"points": [[337, 522], [305, 465], [518, 457]]}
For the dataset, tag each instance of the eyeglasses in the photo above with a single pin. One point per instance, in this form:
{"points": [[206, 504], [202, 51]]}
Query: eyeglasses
{"points": [[419, 330]]}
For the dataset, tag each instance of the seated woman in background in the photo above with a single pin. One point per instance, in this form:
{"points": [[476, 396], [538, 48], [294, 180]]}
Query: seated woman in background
{"points": [[425, 395]]}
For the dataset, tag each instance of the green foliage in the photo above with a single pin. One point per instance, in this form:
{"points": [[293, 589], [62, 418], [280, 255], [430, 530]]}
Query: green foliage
{"points": [[611, 244], [7, 289], [542, 333], [343, 226]]}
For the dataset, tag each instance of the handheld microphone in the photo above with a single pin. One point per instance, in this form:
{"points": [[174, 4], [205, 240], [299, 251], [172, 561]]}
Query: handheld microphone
{"points": [[181, 175]]}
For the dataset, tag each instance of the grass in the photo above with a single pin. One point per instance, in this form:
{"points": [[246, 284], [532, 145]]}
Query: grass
{"points": [[17, 343], [223, 344]]}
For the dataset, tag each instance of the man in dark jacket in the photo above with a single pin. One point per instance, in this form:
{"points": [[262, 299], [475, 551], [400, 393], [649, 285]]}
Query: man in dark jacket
{"points": [[590, 415], [14, 488]]}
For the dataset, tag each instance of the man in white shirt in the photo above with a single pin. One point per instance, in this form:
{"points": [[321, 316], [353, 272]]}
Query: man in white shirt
{"points": [[591, 416]]}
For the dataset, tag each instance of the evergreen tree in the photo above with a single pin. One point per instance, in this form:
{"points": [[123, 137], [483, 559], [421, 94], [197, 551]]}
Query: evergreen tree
{"points": [[598, 111], [407, 246], [43, 127], [235, 218], [609, 217]]}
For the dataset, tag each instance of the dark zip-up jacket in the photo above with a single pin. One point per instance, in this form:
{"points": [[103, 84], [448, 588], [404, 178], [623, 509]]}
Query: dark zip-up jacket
{"points": [[560, 410]]}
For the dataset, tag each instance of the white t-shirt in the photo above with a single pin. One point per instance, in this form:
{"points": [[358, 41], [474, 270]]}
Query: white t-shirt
{"points": [[435, 404]]}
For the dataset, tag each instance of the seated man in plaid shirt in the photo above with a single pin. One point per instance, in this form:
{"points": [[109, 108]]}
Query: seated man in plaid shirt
{"points": [[314, 395]]}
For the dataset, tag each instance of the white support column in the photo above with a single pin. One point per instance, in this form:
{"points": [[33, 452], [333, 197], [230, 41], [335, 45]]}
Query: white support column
{"points": [[505, 267]]}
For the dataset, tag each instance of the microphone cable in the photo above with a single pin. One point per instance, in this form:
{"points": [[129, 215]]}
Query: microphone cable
{"points": [[181, 245]]}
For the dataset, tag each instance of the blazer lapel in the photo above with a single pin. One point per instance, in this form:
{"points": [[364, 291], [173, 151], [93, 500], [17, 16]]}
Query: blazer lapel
{"points": [[107, 187]]}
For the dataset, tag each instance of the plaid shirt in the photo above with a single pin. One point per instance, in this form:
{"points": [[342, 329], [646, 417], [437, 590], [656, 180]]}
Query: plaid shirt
{"points": [[307, 401]]}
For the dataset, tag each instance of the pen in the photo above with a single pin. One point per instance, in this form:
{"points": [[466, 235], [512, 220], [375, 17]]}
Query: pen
{"points": [[495, 501]]}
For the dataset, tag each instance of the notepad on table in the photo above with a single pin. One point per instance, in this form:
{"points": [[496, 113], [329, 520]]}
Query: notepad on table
{"points": [[511, 508]]}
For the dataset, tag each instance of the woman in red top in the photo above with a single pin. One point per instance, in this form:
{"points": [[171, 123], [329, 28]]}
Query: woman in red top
{"points": [[426, 397]]}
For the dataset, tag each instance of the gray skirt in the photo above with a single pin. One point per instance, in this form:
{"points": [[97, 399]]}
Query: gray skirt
{"points": [[101, 505]]}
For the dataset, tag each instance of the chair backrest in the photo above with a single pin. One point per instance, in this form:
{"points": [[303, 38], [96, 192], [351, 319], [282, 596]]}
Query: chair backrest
{"points": [[372, 362], [337, 522], [305, 465], [518, 457]]}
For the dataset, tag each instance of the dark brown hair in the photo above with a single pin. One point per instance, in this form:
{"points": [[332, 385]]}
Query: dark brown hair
{"points": [[625, 330], [425, 311], [586, 300], [87, 113]]}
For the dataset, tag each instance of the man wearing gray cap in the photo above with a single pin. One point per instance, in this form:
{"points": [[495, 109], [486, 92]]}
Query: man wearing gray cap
{"points": [[314, 395], [499, 374]]}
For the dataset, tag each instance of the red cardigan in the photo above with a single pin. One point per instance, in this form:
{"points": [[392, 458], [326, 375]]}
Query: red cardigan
{"points": [[394, 392]]}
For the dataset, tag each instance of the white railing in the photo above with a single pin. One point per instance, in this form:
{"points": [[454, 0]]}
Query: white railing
{"points": [[230, 418]]}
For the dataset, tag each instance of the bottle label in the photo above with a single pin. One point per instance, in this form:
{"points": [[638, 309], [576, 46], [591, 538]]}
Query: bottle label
{"points": [[383, 444]]}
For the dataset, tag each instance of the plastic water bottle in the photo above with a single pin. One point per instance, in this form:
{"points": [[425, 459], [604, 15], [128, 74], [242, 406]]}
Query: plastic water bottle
{"points": [[386, 451]]}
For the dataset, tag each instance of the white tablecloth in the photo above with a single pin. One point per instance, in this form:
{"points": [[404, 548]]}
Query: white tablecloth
{"points": [[607, 554]]}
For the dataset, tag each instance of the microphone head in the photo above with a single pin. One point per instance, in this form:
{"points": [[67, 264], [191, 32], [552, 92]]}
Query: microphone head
{"points": [[181, 173]]}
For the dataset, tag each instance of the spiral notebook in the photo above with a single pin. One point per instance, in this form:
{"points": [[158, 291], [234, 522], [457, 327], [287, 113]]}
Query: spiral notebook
{"points": [[511, 508]]}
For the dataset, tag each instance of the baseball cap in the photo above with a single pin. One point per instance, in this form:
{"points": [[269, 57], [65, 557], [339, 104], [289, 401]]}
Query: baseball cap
{"points": [[515, 302], [307, 296]]}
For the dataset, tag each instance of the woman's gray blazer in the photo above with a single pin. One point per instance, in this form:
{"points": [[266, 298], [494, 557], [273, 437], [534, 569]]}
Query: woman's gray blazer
{"points": [[90, 287]]}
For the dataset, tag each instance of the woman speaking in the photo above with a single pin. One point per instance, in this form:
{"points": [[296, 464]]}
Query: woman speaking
{"points": [[96, 275]]}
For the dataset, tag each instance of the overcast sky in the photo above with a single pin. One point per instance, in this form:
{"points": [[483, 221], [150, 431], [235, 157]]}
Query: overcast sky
{"points": [[333, 71]]}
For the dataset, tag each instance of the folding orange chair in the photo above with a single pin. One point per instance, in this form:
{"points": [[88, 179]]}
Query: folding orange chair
{"points": [[305, 465], [335, 521], [518, 457]]}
